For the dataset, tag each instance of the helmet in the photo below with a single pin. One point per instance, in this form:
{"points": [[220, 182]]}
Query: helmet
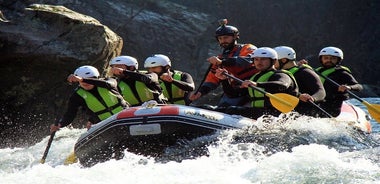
{"points": [[86, 72], [225, 29], [265, 52], [332, 51], [157, 60], [125, 60], [285, 52]]}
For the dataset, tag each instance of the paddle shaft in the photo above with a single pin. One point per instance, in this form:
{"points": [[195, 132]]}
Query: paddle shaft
{"points": [[241, 81], [335, 83], [204, 78], [373, 109], [47, 147], [321, 109]]}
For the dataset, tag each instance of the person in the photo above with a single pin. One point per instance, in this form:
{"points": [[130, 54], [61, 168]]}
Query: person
{"points": [[269, 79], [309, 84], [331, 59], [135, 87], [235, 58], [176, 84], [99, 97]]}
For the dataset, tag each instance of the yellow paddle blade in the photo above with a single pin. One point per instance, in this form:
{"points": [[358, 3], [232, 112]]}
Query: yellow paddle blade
{"points": [[283, 102], [72, 158], [374, 110]]}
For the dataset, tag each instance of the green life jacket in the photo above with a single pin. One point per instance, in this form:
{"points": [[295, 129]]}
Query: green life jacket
{"points": [[143, 93], [175, 95], [296, 69], [104, 107], [258, 98], [329, 71]]}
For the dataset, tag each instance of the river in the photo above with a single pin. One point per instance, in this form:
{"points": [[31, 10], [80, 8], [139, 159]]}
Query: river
{"points": [[299, 150]]}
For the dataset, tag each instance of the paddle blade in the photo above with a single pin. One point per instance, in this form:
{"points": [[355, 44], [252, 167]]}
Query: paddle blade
{"points": [[72, 158], [283, 102], [373, 110]]}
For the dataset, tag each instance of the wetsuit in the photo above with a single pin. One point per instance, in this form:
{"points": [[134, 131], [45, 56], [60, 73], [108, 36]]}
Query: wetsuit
{"points": [[177, 91], [272, 81], [237, 62], [334, 98], [308, 82], [102, 90], [138, 88]]}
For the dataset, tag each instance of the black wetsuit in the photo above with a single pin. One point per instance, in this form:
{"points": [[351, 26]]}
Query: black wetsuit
{"points": [[334, 98], [186, 84], [149, 79], [309, 82], [76, 101]]}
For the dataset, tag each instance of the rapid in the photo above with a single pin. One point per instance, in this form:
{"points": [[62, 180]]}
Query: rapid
{"points": [[277, 150]]}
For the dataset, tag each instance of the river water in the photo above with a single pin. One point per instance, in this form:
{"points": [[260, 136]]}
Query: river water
{"points": [[296, 150]]}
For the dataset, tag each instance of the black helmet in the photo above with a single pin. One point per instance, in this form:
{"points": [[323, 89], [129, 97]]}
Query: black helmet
{"points": [[225, 29]]}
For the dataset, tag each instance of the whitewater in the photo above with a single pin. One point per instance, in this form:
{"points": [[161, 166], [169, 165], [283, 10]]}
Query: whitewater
{"points": [[291, 150]]}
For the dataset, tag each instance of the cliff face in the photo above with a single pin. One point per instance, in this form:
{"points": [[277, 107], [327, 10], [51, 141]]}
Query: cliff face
{"points": [[41, 44]]}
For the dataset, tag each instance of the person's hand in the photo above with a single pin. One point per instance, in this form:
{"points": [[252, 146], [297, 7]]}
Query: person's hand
{"points": [[306, 97], [54, 128], [73, 78], [302, 62], [219, 73], [117, 71], [343, 88], [166, 77], [88, 125], [214, 60], [194, 96], [247, 83]]}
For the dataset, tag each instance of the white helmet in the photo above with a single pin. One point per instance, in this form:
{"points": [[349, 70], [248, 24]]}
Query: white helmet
{"points": [[265, 52], [86, 72], [125, 60], [157, 60], [332, 51], [285, 52]]}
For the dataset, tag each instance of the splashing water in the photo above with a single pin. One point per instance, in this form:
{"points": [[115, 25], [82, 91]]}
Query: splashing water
{"points": [[287, 149]]}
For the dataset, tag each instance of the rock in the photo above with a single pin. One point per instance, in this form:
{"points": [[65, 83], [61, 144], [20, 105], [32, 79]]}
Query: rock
{"points": [[39, 48]]}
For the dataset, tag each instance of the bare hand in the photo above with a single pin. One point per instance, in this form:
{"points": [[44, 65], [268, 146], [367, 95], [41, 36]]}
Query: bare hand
{"points": [[306, 97], [343, 88], [73, 78], [302, 62], [117, 71], [247, 83], [166, 77], [54, 128], [219, 73], [195, 96], [214, 60]]}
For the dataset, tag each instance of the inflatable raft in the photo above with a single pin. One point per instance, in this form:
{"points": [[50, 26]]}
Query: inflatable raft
{"points": [[151, 128]]}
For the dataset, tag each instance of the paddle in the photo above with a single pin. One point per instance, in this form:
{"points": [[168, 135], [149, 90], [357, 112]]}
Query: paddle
{"points": [[281, 101], [42, 161], [321, 109], [373, 109], [204, 78], [72, 158]]}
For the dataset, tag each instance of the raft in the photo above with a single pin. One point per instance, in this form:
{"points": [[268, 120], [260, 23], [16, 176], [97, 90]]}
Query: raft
{"points": [[151, 128]]}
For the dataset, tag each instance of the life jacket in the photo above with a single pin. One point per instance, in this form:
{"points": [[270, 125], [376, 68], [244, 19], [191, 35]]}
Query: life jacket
{"points": [[297, 68], [175, 95], [239, 71], [104, 107], [329, 71], [135, 97], [257, 97]]}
